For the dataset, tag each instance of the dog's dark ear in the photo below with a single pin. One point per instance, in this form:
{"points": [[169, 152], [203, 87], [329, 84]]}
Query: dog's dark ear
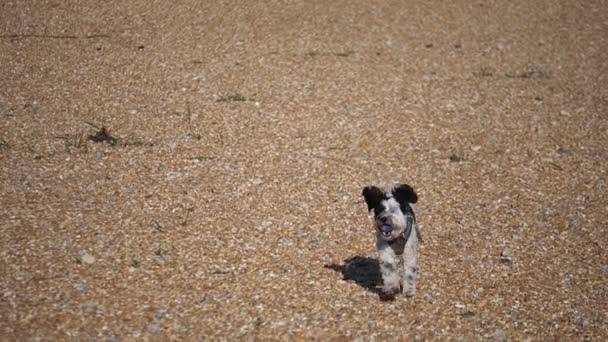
{"points": [[404, 193], [373, 195]]}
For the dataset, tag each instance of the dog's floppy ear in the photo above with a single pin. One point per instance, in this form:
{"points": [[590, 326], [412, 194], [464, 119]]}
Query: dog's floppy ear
{"points": [[373, 195], [404, 193]]}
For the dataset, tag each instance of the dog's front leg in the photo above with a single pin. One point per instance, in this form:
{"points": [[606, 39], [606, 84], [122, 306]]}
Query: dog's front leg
{"points": [[389, 268], [410, 267]]}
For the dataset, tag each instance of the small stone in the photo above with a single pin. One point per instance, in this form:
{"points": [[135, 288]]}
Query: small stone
{"points": [[468, 311], [161, 313], [87, 258], [180, 328], [427, 298], [580, 321], [154, 328], [326, 260], [499, 336], [81, 287], [454, 158], [171, 175], [91, 309], [505, 256]]}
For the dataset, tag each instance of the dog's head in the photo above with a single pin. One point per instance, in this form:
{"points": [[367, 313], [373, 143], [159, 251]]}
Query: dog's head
{"points": [[390, 207]]}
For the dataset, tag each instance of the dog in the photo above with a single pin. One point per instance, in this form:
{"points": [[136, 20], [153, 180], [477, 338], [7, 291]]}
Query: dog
{"points": [[397, 236]]}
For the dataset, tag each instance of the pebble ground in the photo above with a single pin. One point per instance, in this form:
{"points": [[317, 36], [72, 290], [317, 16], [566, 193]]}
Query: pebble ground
{"points": [[186, 170]]}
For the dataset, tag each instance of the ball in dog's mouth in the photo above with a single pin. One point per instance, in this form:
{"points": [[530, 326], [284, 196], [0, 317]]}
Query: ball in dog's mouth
{"points": [[385, 229]]}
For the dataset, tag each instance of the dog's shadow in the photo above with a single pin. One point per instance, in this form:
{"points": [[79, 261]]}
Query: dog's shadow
{"points": [[364, 271]]}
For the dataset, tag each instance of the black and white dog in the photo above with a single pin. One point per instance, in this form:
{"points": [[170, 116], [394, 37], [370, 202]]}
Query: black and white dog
{"points": [[397, 236]]}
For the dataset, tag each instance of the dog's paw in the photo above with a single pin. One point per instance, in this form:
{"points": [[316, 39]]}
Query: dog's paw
{"points": [[409, 293], [388, 294], [386, 297]]}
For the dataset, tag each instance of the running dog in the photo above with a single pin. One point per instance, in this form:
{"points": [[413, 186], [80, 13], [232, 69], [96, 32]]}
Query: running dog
{"points": [[397, 235]]}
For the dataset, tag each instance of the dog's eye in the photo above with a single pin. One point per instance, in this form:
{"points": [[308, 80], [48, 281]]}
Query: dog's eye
{"points": [[378, 210]]}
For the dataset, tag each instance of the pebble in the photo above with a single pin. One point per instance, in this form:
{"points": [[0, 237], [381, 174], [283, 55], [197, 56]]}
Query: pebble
{"points": [[505, 256], [171, 175], [499, 336], [87, 258], [580, 321], [327, 260], [90, 309], [154, 328], [161, 313]]}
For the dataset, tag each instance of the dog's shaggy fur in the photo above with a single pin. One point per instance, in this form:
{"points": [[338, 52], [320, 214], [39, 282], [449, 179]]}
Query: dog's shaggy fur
{"points": [[397, 236]]}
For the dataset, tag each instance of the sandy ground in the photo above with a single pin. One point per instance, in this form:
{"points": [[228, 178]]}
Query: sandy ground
{"points": [[239, 136]]}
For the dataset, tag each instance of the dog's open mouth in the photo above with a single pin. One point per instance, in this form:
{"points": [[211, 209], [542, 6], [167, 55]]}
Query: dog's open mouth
{"points": [[385, 229]]}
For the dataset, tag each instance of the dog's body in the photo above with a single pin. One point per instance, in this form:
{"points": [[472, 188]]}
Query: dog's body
{"points": [[396, 236]]}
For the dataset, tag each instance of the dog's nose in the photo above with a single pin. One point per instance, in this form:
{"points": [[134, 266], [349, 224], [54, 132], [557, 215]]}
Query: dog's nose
{"points": [[383, 219]]}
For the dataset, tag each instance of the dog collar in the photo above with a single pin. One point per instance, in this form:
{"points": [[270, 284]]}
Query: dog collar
{"points": [[398, 243]]}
